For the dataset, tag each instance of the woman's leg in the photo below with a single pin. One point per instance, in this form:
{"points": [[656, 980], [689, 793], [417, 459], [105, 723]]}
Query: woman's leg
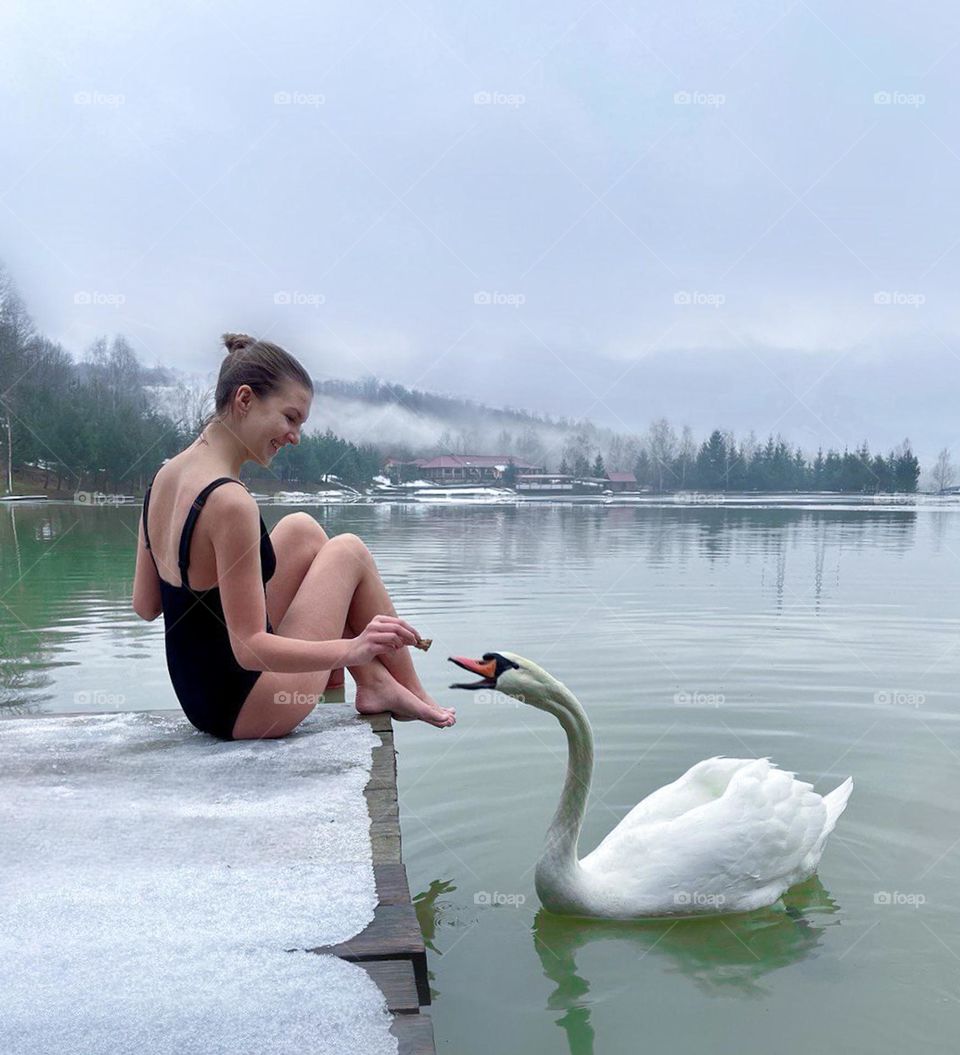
{"points": [[338, 574], [398, 691], [297, 539]]}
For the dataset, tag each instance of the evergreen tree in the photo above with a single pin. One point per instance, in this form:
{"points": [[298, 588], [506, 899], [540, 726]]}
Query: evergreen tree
{"points": [[906, 471]]}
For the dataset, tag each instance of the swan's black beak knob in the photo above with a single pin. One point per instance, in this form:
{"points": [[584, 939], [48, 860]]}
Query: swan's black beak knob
{"points": [[489, 668]]}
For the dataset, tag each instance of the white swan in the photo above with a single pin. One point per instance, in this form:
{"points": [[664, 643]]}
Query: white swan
{"points": [[731, 835]]}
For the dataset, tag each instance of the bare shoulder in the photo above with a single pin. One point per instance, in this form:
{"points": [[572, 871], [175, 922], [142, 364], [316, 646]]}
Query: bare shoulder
{"points": [[233, 506]]}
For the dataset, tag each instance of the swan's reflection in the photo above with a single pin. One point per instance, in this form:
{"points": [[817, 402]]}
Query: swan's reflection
{"points": [[429, 911], [725, 955]]}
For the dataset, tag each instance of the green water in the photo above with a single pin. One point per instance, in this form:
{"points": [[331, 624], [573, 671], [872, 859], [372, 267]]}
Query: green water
{"points": [[828, 639]]}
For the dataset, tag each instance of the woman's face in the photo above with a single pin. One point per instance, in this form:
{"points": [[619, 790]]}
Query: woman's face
{"points": [[275, 420]]}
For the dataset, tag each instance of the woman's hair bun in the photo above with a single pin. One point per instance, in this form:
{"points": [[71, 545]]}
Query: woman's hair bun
{"points": [[236, 342]]}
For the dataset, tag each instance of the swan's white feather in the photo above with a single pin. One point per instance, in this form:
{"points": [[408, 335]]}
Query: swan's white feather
{"points": [[730, 835]]}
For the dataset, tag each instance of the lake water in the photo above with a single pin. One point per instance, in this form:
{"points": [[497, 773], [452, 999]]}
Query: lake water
{"points": [[825, 638]]}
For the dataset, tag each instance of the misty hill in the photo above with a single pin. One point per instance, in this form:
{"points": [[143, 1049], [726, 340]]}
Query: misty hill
{"points": [[413, 422]]}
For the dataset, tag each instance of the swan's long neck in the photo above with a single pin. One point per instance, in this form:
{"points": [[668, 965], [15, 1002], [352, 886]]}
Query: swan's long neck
{"points": [[558, 862]]}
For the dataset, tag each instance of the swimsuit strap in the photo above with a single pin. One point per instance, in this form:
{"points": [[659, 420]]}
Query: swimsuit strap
{"points": [[146, 507], [185, 535], [146, 535]]}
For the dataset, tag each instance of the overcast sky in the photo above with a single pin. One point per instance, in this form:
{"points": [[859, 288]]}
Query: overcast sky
{"points": [[744, 215]]}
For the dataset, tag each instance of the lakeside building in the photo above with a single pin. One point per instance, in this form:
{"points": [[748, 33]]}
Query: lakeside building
{"points": [[622, 482], [461, 468]]}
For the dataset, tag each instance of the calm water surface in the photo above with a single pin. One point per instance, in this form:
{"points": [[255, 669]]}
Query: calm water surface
{"points": [[827, 639]]}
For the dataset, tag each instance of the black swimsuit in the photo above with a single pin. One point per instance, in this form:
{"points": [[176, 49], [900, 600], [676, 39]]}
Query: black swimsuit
{"points": [[209, 682]]}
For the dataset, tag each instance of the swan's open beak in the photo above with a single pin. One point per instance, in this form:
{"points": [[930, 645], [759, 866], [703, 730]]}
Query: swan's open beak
{"points": [[487, 668]]}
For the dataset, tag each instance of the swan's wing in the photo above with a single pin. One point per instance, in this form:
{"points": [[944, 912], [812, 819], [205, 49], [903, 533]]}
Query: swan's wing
{"points": [[736, 851], [700, 784]]}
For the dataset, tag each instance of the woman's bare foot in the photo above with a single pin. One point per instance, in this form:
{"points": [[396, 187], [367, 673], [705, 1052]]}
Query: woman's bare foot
{"points": [[391, 696]]}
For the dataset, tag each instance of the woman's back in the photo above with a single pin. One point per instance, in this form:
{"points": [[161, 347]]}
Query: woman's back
{"points": [[172, 494], [209, 682]]}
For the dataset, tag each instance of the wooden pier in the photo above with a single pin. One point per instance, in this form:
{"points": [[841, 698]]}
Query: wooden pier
{"points": [[391, 948]]}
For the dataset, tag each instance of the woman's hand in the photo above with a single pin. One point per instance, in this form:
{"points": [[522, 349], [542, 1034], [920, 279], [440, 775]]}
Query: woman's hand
{"points": [[384, 633]]}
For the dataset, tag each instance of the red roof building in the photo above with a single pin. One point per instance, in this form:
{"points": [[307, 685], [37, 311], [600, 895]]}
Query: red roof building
{"points": [[622, 481], [465, 468]]}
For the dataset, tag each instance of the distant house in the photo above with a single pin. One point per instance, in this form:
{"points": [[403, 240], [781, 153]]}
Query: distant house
{"points": [[622, 481], [544, 483], [463, 468]]}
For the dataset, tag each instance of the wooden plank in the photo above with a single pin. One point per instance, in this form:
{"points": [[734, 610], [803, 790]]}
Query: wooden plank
{"points": [[384, 833], [386, 847], [382, 803], [394, 934], [379, 723], [383, 772], [396, 981], [392, 886], [414, 1035]]}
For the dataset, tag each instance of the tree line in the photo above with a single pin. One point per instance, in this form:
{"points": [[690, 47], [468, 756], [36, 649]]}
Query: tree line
{"points": [[95, 424], [721, 463], [664, 460]]}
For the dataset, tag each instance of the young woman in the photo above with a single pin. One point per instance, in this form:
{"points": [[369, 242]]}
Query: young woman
{"points": [[254, 623]]}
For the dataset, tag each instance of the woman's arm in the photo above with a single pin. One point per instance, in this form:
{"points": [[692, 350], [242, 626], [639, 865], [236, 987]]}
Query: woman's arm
{"points": [[146, 581], [235, 532]]}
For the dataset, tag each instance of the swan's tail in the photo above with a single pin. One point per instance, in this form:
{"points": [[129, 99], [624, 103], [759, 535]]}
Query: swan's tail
{"points": [[836, 803]]}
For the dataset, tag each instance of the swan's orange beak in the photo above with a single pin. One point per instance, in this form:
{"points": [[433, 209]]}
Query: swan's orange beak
{"points": [[487, 669]]}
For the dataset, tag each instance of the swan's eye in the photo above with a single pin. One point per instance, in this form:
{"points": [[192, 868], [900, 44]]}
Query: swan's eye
{"points": [[502, 662]]}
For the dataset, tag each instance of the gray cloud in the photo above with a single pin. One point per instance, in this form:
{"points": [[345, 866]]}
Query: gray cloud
{"points": [[511, 204]]}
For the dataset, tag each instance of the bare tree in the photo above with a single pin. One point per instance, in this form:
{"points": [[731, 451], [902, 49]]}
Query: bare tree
{"points": [[614, 459], [662, 445], [530, 446], [944, 472], [194, 402], [687, 453], [504, 444]]}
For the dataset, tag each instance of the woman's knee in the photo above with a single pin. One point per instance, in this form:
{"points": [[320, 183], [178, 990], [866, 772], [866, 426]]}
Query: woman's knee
{"points": [[353, 545], [302, 528]]}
